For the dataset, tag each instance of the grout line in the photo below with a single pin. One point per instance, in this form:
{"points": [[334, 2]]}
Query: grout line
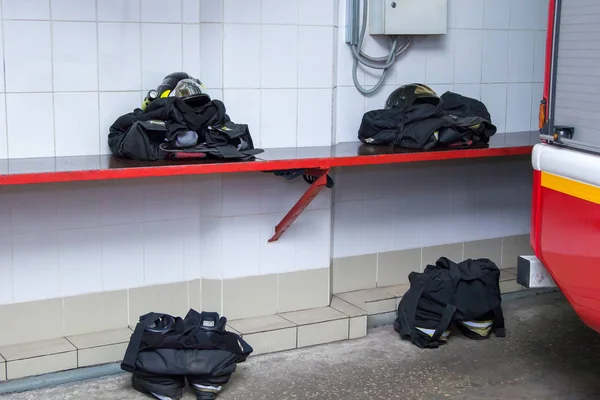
{"points": [[98, 76], [182, 38], [51, 23]]}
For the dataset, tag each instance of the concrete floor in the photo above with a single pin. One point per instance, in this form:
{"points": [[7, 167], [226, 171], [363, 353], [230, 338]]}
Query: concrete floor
{"points": [[548, 355]]}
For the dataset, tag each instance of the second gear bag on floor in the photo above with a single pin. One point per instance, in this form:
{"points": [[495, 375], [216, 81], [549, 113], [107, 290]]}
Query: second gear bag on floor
{"points": [[164, 351], [467, 294]]}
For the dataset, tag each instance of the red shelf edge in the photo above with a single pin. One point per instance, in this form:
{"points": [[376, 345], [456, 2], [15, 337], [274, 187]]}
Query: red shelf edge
{"points": [[257, 166]]}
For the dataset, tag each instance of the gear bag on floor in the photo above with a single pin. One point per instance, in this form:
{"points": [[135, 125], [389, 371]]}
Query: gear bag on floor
{"points": [[164, 351], [466, 294]]}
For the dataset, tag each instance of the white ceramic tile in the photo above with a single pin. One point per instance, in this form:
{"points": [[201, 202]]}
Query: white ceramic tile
{"points": [[123, 202], [440, 89], [277, 194], [494, 98], [377, 46], [243, 11], [242, 42], [539, 62], [211, 247], [38, 130], [79, 205], [496, 14], [469, 14], [315, 57], [279, 56], [169, 203], [378, 182], [6, 274], [348, 183], [316, 12], [468, 55], [377, 100], [411, 66], [523, 14], [341, 13], [472, 90], [408, 221], [211, 48], [489, 213], [279, 115], [518, 109], [192, 253], [161, 11], [436, 218], [276, 257], [32, 209], [280, 12], [73, 10], [119, 56], [211, 10], [541, 15], [76, 124], [521, 56], [208, 191], [75, 56], [80, 261], [191, 11], [119, 10], [35, 266], [314, 117], [377, 226], [160, 36], [243, 106], [440, 58], [312, 233], [495, 56], [349, 111], [344, 63], [347, 228], [27, 55], [216, 94], [122, 256], [112, 106], [163, 253], [26, 9], [191, 50], [240, 195], [240, 246], [463, 219], [537, 93], [3, 133]]}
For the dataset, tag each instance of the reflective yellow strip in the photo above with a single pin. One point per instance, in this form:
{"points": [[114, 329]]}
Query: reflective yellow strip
{"points": [[570, 187]]}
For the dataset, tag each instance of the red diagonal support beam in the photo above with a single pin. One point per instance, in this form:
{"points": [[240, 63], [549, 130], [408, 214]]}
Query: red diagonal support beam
{"points": [[312, 191]]}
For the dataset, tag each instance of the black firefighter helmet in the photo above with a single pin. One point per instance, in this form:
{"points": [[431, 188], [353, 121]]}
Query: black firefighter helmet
{"points": [[411, 94]]}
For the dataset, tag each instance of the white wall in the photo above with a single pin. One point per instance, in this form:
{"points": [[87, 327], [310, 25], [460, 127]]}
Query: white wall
{"points": [[73, 66], [494, 51]]}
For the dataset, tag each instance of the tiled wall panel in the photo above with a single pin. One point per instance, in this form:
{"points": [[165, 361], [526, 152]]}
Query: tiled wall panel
{"points": [[283, 68]]}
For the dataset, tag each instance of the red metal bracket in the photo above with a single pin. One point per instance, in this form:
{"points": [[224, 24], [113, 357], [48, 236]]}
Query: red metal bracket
{"points": [[307, 197]]}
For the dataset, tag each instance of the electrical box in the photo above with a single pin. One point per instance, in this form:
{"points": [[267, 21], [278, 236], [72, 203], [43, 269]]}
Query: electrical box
{"points": [[408, 17]]}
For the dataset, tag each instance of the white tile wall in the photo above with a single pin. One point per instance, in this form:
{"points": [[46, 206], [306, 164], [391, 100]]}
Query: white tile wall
{"points": [[499, 42], [430, 205], [283, 68]]}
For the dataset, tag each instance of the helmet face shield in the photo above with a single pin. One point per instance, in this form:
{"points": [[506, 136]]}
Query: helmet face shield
{"points": [[186, 88]]}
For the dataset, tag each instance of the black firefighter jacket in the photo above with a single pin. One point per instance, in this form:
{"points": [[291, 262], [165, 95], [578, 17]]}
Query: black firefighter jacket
{"points": [[146, 134], [458, 121]]}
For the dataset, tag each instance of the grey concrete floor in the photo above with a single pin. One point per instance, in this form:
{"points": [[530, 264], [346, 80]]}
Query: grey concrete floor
{"points": [[548, 355]]}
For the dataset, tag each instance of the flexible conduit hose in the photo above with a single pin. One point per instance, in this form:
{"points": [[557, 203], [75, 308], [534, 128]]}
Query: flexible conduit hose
{"points": [[399, 45]]}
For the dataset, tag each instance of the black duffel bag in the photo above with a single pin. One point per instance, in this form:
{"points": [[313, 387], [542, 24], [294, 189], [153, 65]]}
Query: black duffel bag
{"points": [[467, 294]]}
